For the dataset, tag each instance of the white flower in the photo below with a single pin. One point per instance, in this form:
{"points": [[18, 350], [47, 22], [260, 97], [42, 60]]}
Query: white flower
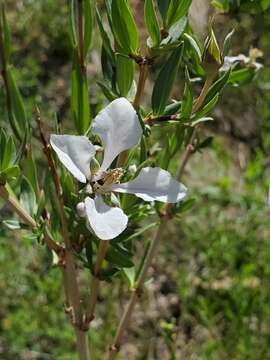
{"points": [[229, 61], [119, 129]]}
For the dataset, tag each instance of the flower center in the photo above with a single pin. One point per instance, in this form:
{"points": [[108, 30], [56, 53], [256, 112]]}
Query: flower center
{"points": [[102, 183]]}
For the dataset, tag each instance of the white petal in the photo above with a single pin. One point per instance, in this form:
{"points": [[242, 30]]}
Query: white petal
{"points": [[119, 129], [154, 184], [75, 152], [105, 221]]}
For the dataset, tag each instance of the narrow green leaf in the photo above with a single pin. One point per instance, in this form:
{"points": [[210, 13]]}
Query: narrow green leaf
{"points": [[174, 33], [194, 46], [3, 142], [218, 86], [163, 6], [201, 120], [227, 44], [151, 22], [187, 101], [119, 257], [129, 275], [9, 173], [72, 26], [17, 105], [177, 9], [105, 38], [242, 76], [79, 97], [88, 27], [9, 154], [124, 26], [211, 53], [6, 36], [125, 69], [28, 197], [108, 93], [30, 171], [164, 83], [208, 107]]}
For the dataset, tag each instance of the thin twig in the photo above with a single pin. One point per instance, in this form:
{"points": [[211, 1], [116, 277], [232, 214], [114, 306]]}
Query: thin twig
{"points": [[70, 266], [124, 322], [90, 309]]}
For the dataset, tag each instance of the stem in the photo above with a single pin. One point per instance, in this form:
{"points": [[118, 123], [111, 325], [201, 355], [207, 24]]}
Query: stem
{"points": [[141, 85], [82, 344], [90, 310], [124, 322], [70, 278], [136, 103], [14, 205]]}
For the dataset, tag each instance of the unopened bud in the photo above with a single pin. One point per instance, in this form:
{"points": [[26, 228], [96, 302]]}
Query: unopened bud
{"points": [[81, 209], [94, 166], [212, 60], [132, 169]]}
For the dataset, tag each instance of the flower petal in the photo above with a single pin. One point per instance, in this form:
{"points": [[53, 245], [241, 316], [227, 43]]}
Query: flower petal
{"points": [[154, 184], [105, 221], [75, 152], [119, 129]]}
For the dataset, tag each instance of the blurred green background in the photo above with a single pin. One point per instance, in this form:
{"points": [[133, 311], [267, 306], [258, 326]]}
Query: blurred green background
{"points": [[210, 294]]}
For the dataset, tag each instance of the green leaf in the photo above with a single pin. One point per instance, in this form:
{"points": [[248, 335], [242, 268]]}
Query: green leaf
{"points": [[208, 107], [242, 76], [200, 120], [30, 171], [187, 102], [227, 44], [105, 38], [129, 275], [184, 206], [218, 86], [79, 96], [72, 26], [124, 26], [174, 34], [6, 36], [28, 197], [119, 257], [17, 105], [163, 6], [194, 46], [164, 83], [108, 93], [9, 154], [88, 27], [125, 69], [211, 53], [151, 22], [177, 9], [8, 174]]}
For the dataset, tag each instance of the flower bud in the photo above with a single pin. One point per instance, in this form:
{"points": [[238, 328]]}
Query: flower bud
{"points": [[212, 60], [81, 209], [132, 169], [94, 166]]}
